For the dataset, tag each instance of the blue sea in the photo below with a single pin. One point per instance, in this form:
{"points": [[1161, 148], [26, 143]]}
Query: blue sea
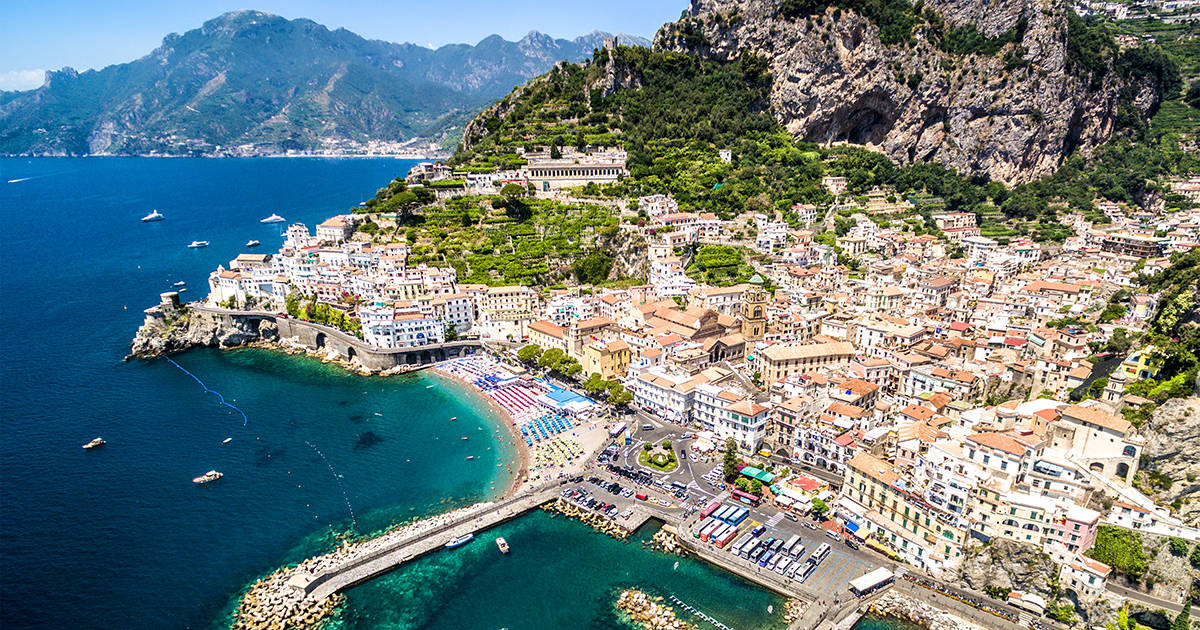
{"points": [[119, 537]]}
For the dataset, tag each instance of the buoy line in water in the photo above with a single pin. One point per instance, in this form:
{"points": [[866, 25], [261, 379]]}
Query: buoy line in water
{"points": [[337, 479], [699, 613], [245, 420]]}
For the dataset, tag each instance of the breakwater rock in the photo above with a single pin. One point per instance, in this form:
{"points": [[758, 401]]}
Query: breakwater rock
{"points": [[893, 604], [280, 600], [598, 522], [665, 541], [649, 612]]}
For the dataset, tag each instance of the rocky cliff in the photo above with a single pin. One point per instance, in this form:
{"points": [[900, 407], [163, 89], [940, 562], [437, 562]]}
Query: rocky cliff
{"points": [[169, 329], [982, 87], [1173, 450]]}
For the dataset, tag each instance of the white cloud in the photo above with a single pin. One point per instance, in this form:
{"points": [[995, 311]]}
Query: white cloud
{"points": [[21, 79]]}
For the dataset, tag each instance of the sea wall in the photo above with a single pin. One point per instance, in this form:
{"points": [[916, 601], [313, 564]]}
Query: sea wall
{"points": [[172, 327]]}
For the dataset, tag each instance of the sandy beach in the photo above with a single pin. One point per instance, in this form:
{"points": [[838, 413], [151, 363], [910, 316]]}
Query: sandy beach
{"points": [[521, 474]]}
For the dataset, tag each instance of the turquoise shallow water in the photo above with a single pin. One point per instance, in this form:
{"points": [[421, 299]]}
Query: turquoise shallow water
{"points": [[119, 537], [560, 574]]}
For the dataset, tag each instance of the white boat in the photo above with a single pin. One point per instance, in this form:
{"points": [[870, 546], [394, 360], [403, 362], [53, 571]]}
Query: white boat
{"points": [[227, 440], [153, 216], [179, 284], [274, 218], [502, 544], [459, 541], [94, 443], [211, 475], [252, 243], [198, 244]]}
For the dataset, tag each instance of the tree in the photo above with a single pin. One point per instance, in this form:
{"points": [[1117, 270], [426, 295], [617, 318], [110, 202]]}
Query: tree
{"points": [[1183, 619], [820, 508], [594, 384], [451, 332], [593, 268], [529, 354], [756, 487], [742, 484], [551, 358], [730, 466], [619, 396], [512, 191]]}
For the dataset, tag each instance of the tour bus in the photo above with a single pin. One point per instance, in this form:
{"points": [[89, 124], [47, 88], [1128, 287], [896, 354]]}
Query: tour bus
{"points": [[758, 551], [722, 527], [722, 512], [782, 565], [777, 545], [746, 497], [708, 511], [820, 554], [617, 430], [738, 516], [729, 535], [808, 569], [766, 557], [790, 544], [710, 528], [704, 522], [736, 549], [749, 547], [798, 552]]}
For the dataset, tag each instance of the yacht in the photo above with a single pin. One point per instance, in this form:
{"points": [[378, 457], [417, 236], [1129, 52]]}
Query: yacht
{"points": [[502, 544], [252, 243], [459, 541], [274, 218], [198, 244], [153, 216], [94, 443], [211, 475]]}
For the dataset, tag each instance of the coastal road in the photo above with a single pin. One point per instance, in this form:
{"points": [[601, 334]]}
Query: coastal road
{"points": [[1144, 598]]}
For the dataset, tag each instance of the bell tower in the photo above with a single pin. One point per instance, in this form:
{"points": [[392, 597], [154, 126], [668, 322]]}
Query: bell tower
{"points": [[754, 310]]}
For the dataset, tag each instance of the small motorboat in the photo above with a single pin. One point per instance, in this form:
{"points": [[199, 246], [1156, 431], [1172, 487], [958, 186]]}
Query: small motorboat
{"points": [[227, 440], [502, 544], [470, 457], [459, 541], [179, 284], [153, 216], [183, 290], [429, 387], [274, 218], [198, 244], [211, 475], [252, 243], [464, 437], [453, 418], [94, 443]]}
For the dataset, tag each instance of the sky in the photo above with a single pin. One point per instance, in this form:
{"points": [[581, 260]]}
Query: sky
{"points": [[40, 35]]}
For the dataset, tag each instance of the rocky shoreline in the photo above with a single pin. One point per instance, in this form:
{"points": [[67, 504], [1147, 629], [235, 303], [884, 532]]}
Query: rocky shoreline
{"points": [[893, 604], [649, 612], [602, 524]]}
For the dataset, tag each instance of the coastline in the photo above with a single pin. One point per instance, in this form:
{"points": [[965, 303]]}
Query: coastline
{"points": [[520, 480]]}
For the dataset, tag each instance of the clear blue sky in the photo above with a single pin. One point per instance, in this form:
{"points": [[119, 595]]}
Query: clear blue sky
{"points": [[36, 35]]}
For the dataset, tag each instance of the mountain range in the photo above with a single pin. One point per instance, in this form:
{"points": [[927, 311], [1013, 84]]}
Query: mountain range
{"points": [[252, 83]]}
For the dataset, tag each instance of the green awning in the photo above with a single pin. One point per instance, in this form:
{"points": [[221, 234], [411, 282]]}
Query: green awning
{"points": [[761, 475]]}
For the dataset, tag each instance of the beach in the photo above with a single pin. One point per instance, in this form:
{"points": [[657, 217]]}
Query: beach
{"points": [[560, 454]]}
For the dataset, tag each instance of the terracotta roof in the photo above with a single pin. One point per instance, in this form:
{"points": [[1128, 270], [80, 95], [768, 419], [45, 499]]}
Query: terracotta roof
{"points": [[873, 467], [1097, 417], [999, 442], [547, 327], [785, 352]]}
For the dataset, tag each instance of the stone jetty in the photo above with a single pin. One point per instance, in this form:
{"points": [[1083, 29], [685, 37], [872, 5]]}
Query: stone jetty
{"points": [[599, 522], [794, 609], [283, 600], [649, 612]]}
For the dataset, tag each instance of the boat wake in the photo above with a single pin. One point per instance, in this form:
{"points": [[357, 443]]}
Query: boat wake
{"points": [[245, 420]]}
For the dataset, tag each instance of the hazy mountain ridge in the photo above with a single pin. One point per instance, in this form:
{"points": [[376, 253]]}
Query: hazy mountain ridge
{"points": [[270, 84]]}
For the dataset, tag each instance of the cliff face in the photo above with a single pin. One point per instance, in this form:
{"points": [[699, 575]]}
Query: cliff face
{"points": [[169, 330], [1173, 449], [1012, 115]]}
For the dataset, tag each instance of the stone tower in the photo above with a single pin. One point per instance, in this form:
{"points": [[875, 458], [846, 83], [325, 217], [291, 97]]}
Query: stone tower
{"points": [[754, 310]]}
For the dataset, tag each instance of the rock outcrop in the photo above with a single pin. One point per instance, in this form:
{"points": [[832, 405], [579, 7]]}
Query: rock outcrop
{"points": [[893, 604], [1011, 565], [171, 327], [1173, 449], [1013, 115]]}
